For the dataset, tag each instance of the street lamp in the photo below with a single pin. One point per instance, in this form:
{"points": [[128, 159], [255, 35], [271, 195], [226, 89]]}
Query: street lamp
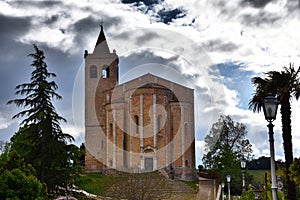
{"points": [[214, 188], [270, 106], [228, 177], [243, 167], [223, 185]]}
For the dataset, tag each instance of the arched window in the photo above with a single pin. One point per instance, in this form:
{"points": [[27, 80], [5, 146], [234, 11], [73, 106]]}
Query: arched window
{"points": [[105, 71], [110, 128], [186, 163], [158, 123], [136, 121], [93, 71]]}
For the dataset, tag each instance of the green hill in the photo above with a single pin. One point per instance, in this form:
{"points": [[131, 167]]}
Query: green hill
{"points": [[110, 185]]}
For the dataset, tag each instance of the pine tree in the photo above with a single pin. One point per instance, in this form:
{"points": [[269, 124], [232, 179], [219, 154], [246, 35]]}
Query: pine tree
{"points": [[40, 139]]}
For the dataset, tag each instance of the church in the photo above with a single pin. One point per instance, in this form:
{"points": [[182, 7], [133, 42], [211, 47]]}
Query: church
{"points": [[145, 124]]}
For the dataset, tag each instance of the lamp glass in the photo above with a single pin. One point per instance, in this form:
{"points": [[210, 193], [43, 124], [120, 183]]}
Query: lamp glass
{"points": [[223, 184], [243, 163], [270, 107], [228, 177]]}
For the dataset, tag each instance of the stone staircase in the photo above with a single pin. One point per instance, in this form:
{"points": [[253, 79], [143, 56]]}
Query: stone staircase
{"points": [[206, 189], [180, 187], [164, 173], [175, 185]]}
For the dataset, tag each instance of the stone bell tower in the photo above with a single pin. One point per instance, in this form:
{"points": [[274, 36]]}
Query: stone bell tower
{"points": [[101, 74]]}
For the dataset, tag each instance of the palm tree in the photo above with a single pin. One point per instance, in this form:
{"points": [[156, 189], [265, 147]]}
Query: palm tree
{"points": [[285, 85]]}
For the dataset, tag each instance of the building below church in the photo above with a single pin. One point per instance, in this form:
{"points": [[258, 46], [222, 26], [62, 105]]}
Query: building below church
{"points": [[144, 124]]}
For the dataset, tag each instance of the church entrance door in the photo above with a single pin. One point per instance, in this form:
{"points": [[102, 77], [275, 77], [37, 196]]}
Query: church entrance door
{"points": [[148, 164]]}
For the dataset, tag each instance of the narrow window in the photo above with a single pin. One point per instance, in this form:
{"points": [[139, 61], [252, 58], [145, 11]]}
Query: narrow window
{"points": [[111, 128], [104, 74], [105, 71], [93, 71], [186, 163], [158, 123], [136, 121]]}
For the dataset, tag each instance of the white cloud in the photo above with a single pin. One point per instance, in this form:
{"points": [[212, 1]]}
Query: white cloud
{"points": [[75, 131], [266, 44], [5, 116], [4, 122], [199, 152], [232, 100], [53, 38]]}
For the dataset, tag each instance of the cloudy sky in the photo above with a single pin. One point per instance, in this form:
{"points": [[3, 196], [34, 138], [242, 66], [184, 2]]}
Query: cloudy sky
{"points": [[215, 47]]}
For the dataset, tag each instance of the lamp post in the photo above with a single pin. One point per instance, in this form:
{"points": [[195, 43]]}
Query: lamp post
{"points": [[228, 177], [214, 188], [243, 167], [223, 185], [270, 106]]}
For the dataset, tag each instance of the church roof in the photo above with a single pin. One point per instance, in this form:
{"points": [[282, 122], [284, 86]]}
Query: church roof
{"points": [[101, 36], [101, 44], [148, 81]]}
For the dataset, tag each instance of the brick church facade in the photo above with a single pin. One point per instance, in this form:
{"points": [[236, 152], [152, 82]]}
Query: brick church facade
{"points": [[145, 124]]}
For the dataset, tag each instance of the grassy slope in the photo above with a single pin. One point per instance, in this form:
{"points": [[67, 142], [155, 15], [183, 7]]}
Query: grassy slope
{"points": [[192, 184], [258, 175], [94, 183]]}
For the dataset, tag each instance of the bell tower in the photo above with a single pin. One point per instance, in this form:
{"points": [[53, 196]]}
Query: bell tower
{"points": [[101, 74]]}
